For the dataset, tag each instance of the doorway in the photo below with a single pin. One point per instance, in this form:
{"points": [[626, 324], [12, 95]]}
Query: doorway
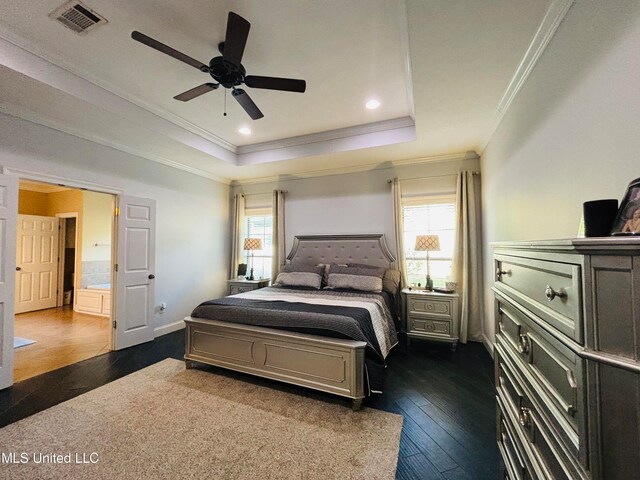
{"points": [[63, 277]]}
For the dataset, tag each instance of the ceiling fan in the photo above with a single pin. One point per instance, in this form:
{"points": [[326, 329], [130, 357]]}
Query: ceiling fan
{"points": [[226, 69]]}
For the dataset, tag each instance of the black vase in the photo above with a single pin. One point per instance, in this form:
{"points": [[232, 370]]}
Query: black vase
{"points": [[599, 216]]}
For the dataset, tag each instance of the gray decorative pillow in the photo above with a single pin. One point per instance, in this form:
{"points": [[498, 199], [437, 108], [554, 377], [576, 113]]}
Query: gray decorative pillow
{"points": [[305, 267], [300, 276], [390, 281], [355, 278]]}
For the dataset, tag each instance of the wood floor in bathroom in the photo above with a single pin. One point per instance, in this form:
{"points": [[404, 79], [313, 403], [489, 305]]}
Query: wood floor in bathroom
{"points": [[63, 337]]}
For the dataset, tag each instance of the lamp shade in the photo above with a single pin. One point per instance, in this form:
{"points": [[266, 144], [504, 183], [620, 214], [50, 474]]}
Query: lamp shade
{"points": [[253, 244], [427, 243]]}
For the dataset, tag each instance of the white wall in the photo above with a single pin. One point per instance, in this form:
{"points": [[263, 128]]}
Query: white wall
{"points": [[354, 202], [192, 212], [571, 135], [97, 213]]}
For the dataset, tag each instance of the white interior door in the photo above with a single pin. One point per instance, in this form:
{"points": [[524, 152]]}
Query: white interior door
{"points": [[136, 271], [8, 217], [37, 263]]}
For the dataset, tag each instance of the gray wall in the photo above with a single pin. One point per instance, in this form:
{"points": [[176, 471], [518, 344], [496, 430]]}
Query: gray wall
{"points": [[571, 135], [354, 202], [192, 232]]}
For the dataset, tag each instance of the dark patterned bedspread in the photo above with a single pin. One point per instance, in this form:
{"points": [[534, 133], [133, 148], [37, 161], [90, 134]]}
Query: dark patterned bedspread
{"points": [[340, 314]]}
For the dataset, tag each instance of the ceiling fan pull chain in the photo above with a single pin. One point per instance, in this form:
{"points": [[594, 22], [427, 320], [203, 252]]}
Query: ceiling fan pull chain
{"points": [[225, 104]]}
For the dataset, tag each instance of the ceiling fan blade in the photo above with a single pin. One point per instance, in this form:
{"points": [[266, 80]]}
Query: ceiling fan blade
{"points": [[236, 38], [196, 92], [275, 83], [167, 50], [245, 102]]}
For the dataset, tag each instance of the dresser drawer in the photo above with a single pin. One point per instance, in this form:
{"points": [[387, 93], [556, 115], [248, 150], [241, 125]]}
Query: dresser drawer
{"points": [[514, 464], [546, 456], [234, 289], [551, 290], [545, 459], [424, 325], [548, 363], [429, 306]]}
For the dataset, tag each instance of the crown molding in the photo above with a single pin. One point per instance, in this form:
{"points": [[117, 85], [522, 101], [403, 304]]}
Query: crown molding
{"points": [[387, 132], [41, 69], [57, 60], [328, 135], [554, 15], [38, 119], [357, 168], [26, 57]]}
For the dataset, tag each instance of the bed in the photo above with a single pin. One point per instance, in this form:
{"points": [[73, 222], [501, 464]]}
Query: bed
{"points": [[303, 337]]}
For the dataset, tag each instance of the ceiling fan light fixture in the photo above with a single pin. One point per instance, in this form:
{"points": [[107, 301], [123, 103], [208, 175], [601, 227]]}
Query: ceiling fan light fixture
{"points": [[227, 69], [372, 104], [244, 130]]}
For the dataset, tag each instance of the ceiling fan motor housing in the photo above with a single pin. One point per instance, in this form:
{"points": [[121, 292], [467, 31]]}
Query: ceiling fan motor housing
{"points": [[226, 73]]}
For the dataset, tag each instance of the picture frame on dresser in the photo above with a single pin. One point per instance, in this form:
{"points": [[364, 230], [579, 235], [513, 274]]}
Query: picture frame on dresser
{"points": [[627, 222]]}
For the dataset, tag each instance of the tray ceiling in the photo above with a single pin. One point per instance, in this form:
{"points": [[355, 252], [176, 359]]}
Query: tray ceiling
{"points": [[438, 68]]}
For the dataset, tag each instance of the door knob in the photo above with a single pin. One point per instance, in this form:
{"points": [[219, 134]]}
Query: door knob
{"points": [[18, 269], [152, 276]]}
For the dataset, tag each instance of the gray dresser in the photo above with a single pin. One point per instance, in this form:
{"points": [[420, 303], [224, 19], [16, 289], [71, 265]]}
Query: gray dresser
{"points": [[567, 356]]}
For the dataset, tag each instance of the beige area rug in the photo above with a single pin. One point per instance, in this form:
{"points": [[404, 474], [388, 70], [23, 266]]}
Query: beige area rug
{"points": [[165, 422]]}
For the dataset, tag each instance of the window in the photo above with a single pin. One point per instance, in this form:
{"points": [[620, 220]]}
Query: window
{"points": [[259, 224], [429, 217]]}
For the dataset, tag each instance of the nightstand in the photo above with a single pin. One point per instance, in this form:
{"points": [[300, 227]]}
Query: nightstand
{"points": [[431, 316], [237, 285]]}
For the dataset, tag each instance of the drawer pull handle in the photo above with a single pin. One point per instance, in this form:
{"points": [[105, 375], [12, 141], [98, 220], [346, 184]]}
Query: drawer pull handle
{"points": [[523, 344], [570, 409], [499, 272], [550, 293], [525, 417]]}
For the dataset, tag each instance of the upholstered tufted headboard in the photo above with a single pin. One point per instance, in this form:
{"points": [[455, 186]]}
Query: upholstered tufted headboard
{"points": [[370, 249]]}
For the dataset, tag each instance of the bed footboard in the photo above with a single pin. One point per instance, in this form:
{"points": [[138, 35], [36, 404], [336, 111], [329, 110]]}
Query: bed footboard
{"points": [[326, 364]]}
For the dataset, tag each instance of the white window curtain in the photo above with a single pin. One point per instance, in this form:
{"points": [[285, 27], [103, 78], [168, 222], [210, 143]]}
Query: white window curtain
{"points": [[467, 263], [401, 262], [237, 234], [279, 253]]}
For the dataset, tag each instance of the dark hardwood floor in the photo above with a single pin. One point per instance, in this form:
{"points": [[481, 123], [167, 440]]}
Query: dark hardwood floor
{"points": [[446, 399]]}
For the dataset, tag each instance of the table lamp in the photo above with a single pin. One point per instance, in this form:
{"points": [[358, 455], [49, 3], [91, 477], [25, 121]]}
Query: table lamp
{"points": [[252, 244], [428, 243]]}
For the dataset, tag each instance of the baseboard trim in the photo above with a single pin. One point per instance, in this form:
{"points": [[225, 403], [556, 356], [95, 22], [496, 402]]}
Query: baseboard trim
{"points": [[488, 345], [171, 327]]}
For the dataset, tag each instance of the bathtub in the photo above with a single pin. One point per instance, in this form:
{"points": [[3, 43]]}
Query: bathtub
{"points": [[95, 300]]}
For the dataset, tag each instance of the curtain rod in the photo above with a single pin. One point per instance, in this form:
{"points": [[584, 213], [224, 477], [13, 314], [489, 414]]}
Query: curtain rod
{"points": [[262, 193], [432, 176]]}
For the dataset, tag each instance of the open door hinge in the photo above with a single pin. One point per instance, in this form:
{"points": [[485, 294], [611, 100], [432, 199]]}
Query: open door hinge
{"points": [[115, 267], [117, 212], [115, 324]]}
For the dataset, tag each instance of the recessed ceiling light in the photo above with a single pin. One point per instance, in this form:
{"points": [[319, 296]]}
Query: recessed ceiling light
{"points": [[244, 130], [372, 104]]}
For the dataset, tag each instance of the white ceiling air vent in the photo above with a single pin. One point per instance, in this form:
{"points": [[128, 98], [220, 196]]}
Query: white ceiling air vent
{"points": [[77, 16]]}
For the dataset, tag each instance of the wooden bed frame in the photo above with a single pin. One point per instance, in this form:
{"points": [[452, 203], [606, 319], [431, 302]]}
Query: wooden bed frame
{"points": [[330, 365]]}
